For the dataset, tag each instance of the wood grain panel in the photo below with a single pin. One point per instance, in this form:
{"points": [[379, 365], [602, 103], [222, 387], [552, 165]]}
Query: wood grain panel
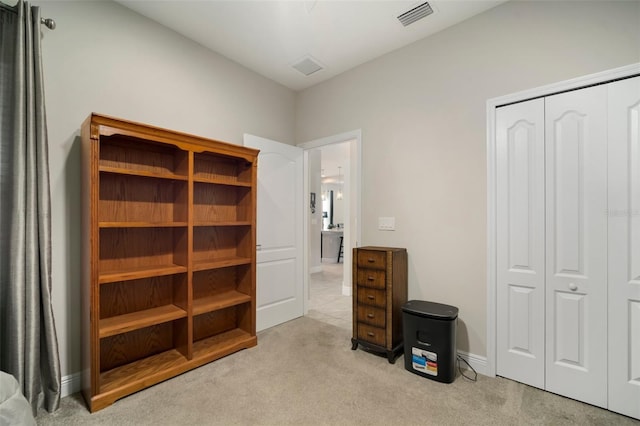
{"points": [[129, 296], [217, 301], [132, 373], [206, 264], [371, 278], [371, 334], [220, 203], [221, 168], [372, 297], [222, 344], [212, 323], [397, 267], [136, 154], [124, 248], [246, 318], [214, 281], [372, 316], [372, 259], [140, 319], [124, 348], [211, 243], [139, 199], [139, 272]]}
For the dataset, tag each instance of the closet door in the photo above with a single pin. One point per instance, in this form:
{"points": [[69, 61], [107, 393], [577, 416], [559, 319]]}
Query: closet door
{"points": [[520, 239], [624, 247], [576, 244]]}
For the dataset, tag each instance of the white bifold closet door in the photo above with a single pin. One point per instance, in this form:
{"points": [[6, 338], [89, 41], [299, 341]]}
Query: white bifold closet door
{"points": [[568, 244], [624, 246], [552, 243], [576, 244], [520, 242]]}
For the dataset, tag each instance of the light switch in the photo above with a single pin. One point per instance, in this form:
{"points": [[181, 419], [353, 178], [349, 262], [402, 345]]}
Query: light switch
{"points": [[387, 223]]}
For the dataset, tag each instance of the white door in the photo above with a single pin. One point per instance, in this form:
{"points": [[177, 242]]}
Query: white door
{"points": [[624, 247], [576, 244], [279, 268], [520, 242]]}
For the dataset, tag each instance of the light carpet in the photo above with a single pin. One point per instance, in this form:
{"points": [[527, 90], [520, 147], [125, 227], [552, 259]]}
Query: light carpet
{"points": [[304, 373]]}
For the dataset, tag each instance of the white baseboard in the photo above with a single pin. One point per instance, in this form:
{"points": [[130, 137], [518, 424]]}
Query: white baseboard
{"points": [[479, 363], [346, 290], [71, 384], [315, 269]]}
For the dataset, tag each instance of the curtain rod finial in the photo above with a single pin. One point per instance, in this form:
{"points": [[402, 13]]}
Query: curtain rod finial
{"points": [[50, 23]]}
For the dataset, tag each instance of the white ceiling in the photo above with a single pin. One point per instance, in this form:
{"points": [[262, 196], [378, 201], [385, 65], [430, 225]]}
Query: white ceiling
{"points": [[270, 36]]}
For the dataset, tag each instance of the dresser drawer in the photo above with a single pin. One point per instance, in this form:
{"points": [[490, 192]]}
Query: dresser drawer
{"points": [[372, 316], [372, 259], [372, 297], [372, 278], [371, 334]]}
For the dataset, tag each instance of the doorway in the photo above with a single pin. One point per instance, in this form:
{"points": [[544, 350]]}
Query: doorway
{"points": [[332, 180]]}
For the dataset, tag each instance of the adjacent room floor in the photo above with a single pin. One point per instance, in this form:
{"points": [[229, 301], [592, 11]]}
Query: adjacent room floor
{"points": [[326, 302]]}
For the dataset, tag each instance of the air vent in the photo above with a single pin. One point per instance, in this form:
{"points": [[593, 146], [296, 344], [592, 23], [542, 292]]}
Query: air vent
{"points": [[415, 14], [308, 66]]}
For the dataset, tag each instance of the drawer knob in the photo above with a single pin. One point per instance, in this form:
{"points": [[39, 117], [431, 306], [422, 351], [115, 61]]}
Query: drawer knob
{"points": [[370, 260], [369, 315], [370, 297], [370, 278], [370, 334]]}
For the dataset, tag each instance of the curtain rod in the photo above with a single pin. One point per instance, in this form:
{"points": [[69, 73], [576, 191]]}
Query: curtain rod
{"points": [[48, 22]]}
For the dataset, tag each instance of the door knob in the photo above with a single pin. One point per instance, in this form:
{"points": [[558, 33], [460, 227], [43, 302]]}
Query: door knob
{"points": [[573, 287]]}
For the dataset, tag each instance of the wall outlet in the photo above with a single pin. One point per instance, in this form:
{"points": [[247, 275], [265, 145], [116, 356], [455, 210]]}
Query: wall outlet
{"points": [[387, 223]]}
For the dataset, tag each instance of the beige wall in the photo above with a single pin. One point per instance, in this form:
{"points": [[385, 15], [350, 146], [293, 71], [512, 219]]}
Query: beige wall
{"points": [[421, 110], [104, 58], [422, 114]]}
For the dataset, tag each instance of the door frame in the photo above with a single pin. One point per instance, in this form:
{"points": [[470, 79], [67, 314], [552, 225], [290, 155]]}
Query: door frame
{"points": [[355, 175], [491, 105]]}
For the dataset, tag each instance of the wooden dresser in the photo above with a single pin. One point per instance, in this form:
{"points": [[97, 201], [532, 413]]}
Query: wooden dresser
{"points": [[379, 291]]}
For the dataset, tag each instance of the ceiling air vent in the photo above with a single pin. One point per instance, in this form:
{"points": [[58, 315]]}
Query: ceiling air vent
{"points": [[415, 14], [307, 66]]}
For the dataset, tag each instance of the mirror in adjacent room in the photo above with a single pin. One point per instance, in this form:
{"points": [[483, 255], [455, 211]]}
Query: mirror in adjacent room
{"points": [[327, 209], [332, 203]]}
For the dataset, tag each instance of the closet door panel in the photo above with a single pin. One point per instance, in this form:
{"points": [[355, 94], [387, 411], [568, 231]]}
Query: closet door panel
{"points": [[576, 244], [520, 237], [624, 246]]}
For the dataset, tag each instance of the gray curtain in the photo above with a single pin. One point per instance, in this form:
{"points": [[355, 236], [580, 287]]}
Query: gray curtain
{"points": [[28, 343]]}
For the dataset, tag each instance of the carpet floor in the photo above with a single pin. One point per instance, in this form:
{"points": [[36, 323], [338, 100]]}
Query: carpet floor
{"points": [[304, 373]]}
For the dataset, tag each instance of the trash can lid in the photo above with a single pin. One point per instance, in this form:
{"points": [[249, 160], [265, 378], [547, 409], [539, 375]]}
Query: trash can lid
{"points": [[430, 309]]}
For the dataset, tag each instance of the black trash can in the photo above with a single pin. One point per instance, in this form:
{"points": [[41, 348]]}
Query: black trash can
{"points": [[430, 339]]}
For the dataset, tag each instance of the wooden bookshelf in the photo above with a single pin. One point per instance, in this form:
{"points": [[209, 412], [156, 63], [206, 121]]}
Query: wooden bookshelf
{"points": [[169, 269]]}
